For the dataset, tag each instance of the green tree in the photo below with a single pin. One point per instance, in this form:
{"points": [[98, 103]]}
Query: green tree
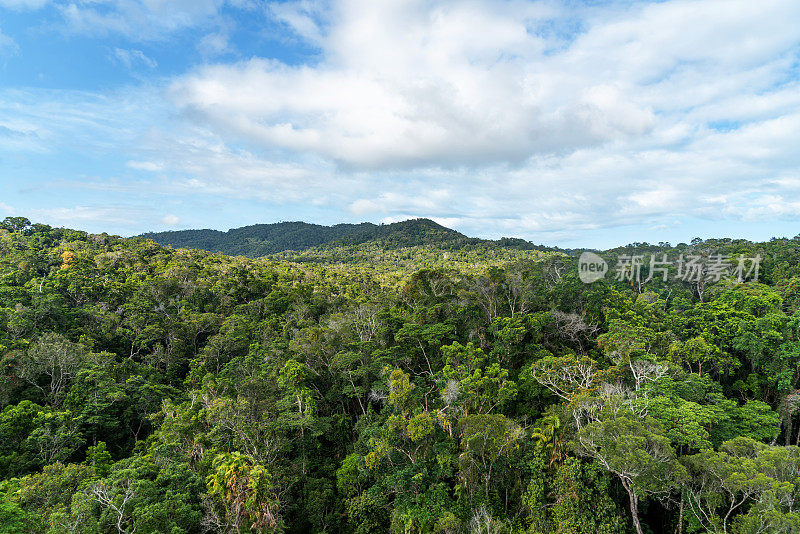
{"points": [[50, 364], [642, 460], [246, 494]]}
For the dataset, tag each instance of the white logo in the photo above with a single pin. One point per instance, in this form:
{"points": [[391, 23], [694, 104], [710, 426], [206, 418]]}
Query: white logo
{"points": [[591, 267]]}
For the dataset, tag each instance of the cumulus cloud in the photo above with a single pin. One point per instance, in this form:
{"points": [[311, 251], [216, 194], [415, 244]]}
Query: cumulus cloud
{"points": [[648, 111], [419, 84], [407, 84]]}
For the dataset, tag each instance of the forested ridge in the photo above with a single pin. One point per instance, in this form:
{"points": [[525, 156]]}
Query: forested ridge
{"points": [[265, 239], [258, 239], [388, 385]]}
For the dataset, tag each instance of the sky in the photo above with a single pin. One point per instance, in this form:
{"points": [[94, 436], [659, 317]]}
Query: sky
{"points": [[572, 123]]}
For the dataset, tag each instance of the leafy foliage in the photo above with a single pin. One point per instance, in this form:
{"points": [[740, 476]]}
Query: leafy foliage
{"points": [[399, 378]]}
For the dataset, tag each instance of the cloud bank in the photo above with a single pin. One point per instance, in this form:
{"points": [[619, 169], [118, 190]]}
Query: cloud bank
{"points": [[646, 110], [540, 119]]}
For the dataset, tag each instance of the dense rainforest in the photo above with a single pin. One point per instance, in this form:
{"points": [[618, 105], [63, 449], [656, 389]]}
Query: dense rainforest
{"points": [[264, 239], [258, 239], [387, 385]]}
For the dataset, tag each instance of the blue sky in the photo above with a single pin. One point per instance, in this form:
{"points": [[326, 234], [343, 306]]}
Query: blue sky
{"points": [[563, 122]]}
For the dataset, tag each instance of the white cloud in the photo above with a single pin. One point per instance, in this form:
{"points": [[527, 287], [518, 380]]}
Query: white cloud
{"points": [[133, 58], [151, 166], [303, 17], [405, 85], [192, 161], [23, 4], [7, 44], [170, 219], [430, 201], [214, 44], [17, 138], [81, 215], [418, 84], [48, 121], [141, 20]]}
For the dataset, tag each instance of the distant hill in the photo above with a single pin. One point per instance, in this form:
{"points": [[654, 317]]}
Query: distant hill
{"points": [[259, 239], [410, 233], [266, 239]]}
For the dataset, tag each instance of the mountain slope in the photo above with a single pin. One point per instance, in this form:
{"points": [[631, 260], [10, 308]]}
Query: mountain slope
{"points": [[258, 239], [412, 232], [266, 239]]}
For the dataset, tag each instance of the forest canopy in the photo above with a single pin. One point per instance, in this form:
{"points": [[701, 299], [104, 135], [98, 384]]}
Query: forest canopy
{"points": [[395, 383]]}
